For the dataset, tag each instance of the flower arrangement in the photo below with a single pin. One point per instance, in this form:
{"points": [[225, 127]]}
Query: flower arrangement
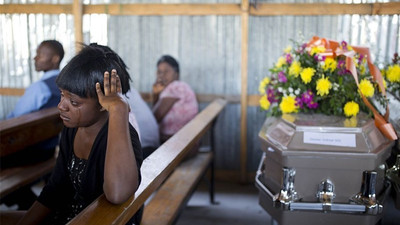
{"points": [[392, 74], [307, 79]]}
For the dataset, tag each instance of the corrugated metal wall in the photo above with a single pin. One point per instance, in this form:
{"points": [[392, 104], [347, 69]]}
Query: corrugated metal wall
{"points": [[207, 47], [208, 50], [20, 34]]}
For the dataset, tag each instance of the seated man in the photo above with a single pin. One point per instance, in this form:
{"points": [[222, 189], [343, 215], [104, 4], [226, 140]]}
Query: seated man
{"points": [[41, 94]]}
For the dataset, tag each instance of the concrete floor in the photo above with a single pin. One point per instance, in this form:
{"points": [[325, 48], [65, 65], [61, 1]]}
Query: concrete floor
{"points": [[237, 205]]}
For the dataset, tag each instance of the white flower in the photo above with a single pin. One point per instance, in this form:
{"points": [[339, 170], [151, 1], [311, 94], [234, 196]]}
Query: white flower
{"points": [[290, 90], [335, 86]]}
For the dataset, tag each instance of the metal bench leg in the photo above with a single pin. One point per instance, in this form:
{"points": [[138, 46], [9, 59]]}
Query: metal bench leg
{"points": [[212, 177]]}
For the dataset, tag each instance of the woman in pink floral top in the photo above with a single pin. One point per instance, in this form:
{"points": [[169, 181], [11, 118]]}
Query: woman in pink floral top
{"points": [[174, 101]]}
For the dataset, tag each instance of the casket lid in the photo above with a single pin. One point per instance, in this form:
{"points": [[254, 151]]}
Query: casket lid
{"points": [[318, 132]]}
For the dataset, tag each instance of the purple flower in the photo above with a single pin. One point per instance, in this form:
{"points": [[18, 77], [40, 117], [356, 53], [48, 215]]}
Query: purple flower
{"points": [[307, 97], [360, 59], [281, 77], [289, 58], [271, 95], [299, 102], [344, 45], [312, 105], [395, 58], [319, 58], [342, 67]]}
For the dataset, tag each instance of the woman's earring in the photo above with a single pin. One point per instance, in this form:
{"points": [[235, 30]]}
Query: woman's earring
{"points": [[102, 109]]}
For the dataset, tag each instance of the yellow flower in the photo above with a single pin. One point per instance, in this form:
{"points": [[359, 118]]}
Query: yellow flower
{"points": [[281, 62], [330, 64], [351, 109], [288, 104], [323, 86], [264, 103], [393, 73], [263, 84], [288, 49], [317, 49], [295, 69], [307, 74], [350, 122], [349, 48], [366, 88], [362, 69]]}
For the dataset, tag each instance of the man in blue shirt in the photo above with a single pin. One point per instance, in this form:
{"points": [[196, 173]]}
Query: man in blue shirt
{"points": [[41, 94]]}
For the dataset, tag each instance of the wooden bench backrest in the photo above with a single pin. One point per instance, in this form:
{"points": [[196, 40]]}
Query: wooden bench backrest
{"points": [[24, 131], [155, 169]]}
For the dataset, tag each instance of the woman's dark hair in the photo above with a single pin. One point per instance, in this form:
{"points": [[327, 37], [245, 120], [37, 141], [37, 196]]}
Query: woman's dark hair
{"points": [[171, 61], [56, 47], [87, 68]]}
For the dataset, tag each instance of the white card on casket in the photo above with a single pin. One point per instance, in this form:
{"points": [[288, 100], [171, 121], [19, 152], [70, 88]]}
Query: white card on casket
{"points": [[334, 139]]}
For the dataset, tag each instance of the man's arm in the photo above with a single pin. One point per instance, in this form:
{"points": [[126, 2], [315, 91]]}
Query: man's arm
{"points": [[34, 97]]}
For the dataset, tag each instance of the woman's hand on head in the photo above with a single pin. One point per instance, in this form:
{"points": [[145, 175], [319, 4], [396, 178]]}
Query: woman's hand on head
{"points": [[111, 98]]}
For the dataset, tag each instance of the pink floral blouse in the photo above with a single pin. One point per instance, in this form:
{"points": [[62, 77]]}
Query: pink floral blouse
{"points": [[182, 111]]}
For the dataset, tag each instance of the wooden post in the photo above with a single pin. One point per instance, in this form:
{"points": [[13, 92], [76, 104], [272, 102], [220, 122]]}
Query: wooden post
{"points": [[78, 18], [243, 97]]}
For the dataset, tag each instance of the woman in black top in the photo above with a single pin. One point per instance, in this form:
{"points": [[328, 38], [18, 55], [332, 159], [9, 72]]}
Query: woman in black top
{"points": [[99, 150]]}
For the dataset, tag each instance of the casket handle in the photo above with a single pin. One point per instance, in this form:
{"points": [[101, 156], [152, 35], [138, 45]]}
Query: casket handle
{"points": [[263, 187]]}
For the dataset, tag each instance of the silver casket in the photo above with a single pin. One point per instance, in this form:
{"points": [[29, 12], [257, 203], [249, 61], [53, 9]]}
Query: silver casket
{"points": [[319, 169]]}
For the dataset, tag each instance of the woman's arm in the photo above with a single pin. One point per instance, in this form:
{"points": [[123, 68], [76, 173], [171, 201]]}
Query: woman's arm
{"points": [[163, 106], [35, 215], [120, 172]]}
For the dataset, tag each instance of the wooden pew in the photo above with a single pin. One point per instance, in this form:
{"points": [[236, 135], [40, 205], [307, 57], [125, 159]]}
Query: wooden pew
{"points": [[19, 133], [156, 169], [170, 200]]}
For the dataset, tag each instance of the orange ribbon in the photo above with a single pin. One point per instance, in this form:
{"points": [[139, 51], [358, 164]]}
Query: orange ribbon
{"points": [[332, 50]]}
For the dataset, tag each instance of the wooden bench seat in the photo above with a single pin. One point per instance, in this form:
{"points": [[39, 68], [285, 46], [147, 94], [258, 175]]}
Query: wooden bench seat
{"points": [[19, 133], [171, 198], [16, 177]]}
